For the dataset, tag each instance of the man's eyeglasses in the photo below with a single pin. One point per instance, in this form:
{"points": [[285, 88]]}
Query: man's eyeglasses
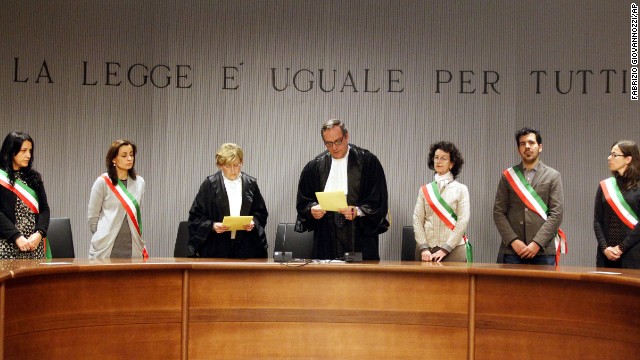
{"points": [[331, 143], [614, 155]]}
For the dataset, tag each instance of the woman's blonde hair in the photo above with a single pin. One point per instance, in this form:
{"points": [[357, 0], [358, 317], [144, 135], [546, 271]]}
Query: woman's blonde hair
{"points": [[228, 153]]}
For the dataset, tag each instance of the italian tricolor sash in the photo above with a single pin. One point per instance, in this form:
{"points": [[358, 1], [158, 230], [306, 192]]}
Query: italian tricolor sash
{"points": [[444, 212], [533, 202], [129, 203], [22, 191], [618, 203], [28, 196]]}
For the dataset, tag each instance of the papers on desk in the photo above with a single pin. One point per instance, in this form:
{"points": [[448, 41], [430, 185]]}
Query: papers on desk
{"points": [[236, 222], [332, 200]]}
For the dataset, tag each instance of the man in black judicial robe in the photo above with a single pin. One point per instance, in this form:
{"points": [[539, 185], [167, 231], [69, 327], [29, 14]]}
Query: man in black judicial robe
{"points": [[367, 198]]}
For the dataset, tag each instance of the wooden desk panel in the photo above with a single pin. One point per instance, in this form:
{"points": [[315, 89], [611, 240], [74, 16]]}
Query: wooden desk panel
{"points": [[499, 344], [329, 289], [555, 318], [326, 314], [116, 341], [205, 309], [268, 340], [105, 314]]}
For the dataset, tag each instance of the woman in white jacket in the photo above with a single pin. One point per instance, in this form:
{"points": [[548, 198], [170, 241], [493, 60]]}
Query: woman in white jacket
{"points": [[441, 214], [114, 206]]}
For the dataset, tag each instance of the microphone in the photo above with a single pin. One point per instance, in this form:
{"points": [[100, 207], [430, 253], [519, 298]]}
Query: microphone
{"points": [[353, 256], [284, 236], [283, 256]]}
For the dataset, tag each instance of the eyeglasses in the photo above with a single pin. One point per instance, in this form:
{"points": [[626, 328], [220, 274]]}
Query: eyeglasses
{"points": [[234, 167], [614, 155], [331, 143], [440, 159]]}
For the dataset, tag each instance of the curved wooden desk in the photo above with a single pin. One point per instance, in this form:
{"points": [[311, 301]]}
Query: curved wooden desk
{"points": [[182, 309]]}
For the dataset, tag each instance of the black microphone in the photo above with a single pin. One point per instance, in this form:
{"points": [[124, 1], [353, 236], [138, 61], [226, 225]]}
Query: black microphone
{"points": [[283, 256], [353, 256]]}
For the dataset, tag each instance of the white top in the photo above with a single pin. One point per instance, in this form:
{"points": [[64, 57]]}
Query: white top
{"points": [[337, 179], [234, 193], [105, 214]]}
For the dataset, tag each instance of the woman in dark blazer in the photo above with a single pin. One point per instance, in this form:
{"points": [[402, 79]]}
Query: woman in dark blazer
{"points": [[229, 192], [24, 211], [617, 208]]}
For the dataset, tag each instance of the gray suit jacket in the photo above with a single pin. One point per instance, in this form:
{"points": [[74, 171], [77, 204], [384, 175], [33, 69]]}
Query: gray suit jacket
{"points": [[515, 221]]}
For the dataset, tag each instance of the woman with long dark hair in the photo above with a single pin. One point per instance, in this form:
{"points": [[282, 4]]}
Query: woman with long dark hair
{"points": [[617, 208], [114, 206], [24, 211]]}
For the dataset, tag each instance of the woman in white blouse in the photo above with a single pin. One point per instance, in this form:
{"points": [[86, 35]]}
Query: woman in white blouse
{"points": [[229, 192], [441, 214]]}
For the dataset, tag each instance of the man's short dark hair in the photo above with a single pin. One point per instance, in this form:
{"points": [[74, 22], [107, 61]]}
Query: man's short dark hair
{"points": [[331, 123], [526, 131]]}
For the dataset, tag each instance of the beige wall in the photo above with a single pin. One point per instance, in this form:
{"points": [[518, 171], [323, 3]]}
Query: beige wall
{"points": [[178, 129]]}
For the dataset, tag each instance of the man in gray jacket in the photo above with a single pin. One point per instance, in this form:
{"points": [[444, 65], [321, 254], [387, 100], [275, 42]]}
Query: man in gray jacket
{"points": [[529, 205]]}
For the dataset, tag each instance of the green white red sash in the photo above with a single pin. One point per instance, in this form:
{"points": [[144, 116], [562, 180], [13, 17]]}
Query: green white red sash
{"points": [[444, 212], [617, 202], [533, 202], [22, 191], [129, 203], [28, 196]]}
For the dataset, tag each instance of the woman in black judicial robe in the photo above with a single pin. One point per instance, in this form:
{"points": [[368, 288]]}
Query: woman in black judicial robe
{"points": [[228, 192]]}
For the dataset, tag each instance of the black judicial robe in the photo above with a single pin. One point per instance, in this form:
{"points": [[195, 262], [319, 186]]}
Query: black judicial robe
{"points": [[212, 205], [367, 190]]}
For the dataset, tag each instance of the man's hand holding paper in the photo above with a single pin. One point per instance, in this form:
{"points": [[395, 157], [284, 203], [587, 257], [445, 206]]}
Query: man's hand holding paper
{"points": [[332, 200]]}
